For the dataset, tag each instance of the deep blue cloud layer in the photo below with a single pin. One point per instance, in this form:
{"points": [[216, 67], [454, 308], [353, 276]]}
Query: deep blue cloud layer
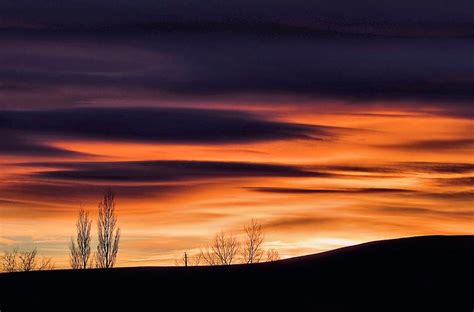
{"points": [[112, 12], [77, 53], [344, 49]]}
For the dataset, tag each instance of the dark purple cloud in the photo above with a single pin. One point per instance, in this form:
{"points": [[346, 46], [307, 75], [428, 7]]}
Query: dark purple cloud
{"points": [[400, 168], [346, 14], [440, 145], [302, 191], [437, 167], [362, 169], [454, 196], [409, 211], [168, 50], [195, 65], [458, 182], [21, 145], [157, 171], [164, 125], [77, 193]]}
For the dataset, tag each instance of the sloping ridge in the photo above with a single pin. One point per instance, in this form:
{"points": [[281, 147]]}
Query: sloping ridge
{"points": [[423, 273], [412, 247]]}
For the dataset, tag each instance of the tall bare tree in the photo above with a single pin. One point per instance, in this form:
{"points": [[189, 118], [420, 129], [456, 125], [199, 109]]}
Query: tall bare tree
{"points": [[252, 249], [225, 247], [108, 233], [80, 250]]}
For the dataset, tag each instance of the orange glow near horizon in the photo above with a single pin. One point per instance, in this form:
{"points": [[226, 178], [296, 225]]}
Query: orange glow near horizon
{"points": [[398, 150]]}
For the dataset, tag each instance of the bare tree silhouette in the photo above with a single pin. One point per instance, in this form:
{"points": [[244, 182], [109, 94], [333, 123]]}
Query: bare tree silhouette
{"points": [[272, 255], [208, 256], [193, 260], [27, 260], [196, 259], [14, 261], [108, 244], [74, 256], [45, 264], [80, 254], [252, 249], [9, 260], [180, 261], [225, 248]]}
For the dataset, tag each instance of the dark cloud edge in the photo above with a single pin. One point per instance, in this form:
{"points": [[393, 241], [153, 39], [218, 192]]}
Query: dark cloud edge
{"points": [[160, 125]]}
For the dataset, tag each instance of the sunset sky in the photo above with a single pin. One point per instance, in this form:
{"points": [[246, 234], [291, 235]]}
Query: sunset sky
{"points": [[331, 122]]}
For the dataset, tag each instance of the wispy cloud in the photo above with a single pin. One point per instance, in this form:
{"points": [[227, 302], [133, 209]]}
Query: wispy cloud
{"points": [[407, 211], [440, 145]]}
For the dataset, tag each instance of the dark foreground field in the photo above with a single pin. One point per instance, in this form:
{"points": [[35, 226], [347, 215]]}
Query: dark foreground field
{"points": [[432, 273]]}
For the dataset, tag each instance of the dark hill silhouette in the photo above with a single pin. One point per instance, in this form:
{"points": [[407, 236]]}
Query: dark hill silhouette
{"points": [[428, 273]]}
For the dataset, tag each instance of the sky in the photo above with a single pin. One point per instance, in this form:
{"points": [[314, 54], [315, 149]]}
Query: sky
{"points": [[331, 123]]}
